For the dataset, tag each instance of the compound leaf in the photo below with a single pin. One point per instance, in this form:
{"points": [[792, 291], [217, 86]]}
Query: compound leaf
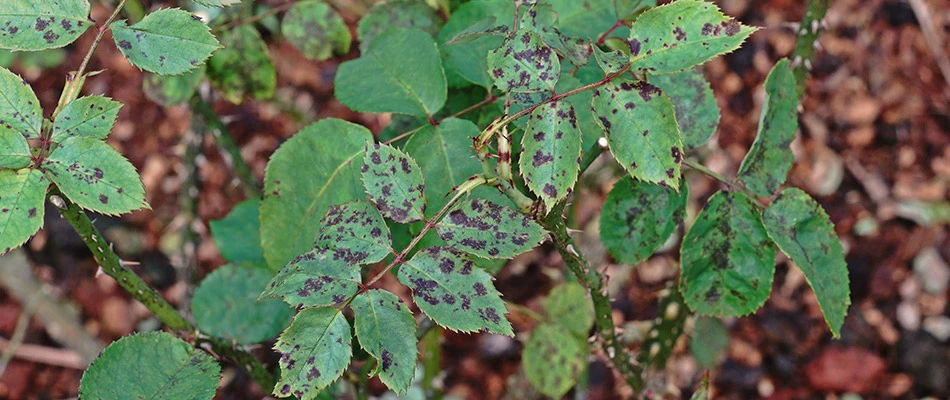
{"points": [[22, 194], [226, 305], [95, 176], [524, 64], [41, 25], [315, 30], [387, 331], [242, 67], [355, 232], [14, 150], [315, 279], [317, 168], [658, 346], [554, 359], [551, 151], [570, 306], [727, 258], [696, 110], [91, 116], [641, 129], [168, 42], [803, 231], [638, 218], [488, 230], [397, 14], [456, 294], [172, 90], [681, 34], [766, 166], [151, 365], [19, 109], [402, 69], [315, 351], [469, 58], [238, 235], [394, 183]]}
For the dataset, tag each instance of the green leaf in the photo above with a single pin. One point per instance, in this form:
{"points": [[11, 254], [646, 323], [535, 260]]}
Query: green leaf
{"points": [[551, 152], [699, 32], [317, 168], [394, 183], [238, 236], [95, 176], [584, 18], [709, 341], [696, 110], [356, 233], [727, 258], [803, 231], [315, 30], [524, 64], [387, 331], [489, 230], [14, 150], [456, 294], [766, 166], [316, 279], [168, 42], [702, 393], [172, 90], [641, 129], [19, 109], [91, 116], [626, 8], [151, 365], [397, 14], [541, 18], [41, 25], [469, 59], [665, 332], [590, 130], [22, 194], [217, 3], [315, 351], [554, 359], [569, 306], [225, 305], [242, 67], [639, 217], [610, 62]]}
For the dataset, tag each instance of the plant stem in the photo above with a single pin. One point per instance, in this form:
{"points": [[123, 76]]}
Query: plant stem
{"points": [[603, 36], [246, 361], [806, 44], [488, 100], [253, 18], [231, 151], [732, 185]]}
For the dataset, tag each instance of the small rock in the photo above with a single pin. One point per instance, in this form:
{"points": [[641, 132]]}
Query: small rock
{"points": [[932, 271], [908, 315], [845, 369]]}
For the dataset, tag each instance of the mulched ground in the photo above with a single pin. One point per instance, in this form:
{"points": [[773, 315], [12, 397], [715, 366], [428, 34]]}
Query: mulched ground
{"points": [[874, 150]]}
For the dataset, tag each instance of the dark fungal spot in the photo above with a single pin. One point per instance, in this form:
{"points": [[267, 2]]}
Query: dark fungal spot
{"points": [[669, 173], [550, 190], [41, 24], [125, 44], [103, 199], [480, 289], [732, 27], [66, 24], [634, 47], [679, 33], [707, 29], [448, 299], [50, 36], [404, 163], [97, 173], [677, 154], [374, 157], [489, 314], [540, 158], [312, 374], [387, 360], [31, 213], [285, 390]]}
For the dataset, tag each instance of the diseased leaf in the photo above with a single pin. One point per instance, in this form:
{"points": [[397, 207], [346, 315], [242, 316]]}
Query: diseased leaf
{"points": [[170, 91], [22, 194], [238, 235], [553, 359], [727, 258], [317, 168], [456, 294], [665, 332], [95, 176], [551, 152], [41, 25], [709, 341], [315, 351], [489, 230], [226, 305], [91, 116], [387, 331], [394, 183], [570, 306], [681, 34], [315, 30], [696, 110], [469, 59], [317, 278], [397, 14], [641, 130], [14, 150], [610, 62], [541, 18], [638, 217], [151, 365], [803, 231], [242, 67], [766, 166], [168, 42], [402, 69], [19, 109], [355, 232], [524, 64]]}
